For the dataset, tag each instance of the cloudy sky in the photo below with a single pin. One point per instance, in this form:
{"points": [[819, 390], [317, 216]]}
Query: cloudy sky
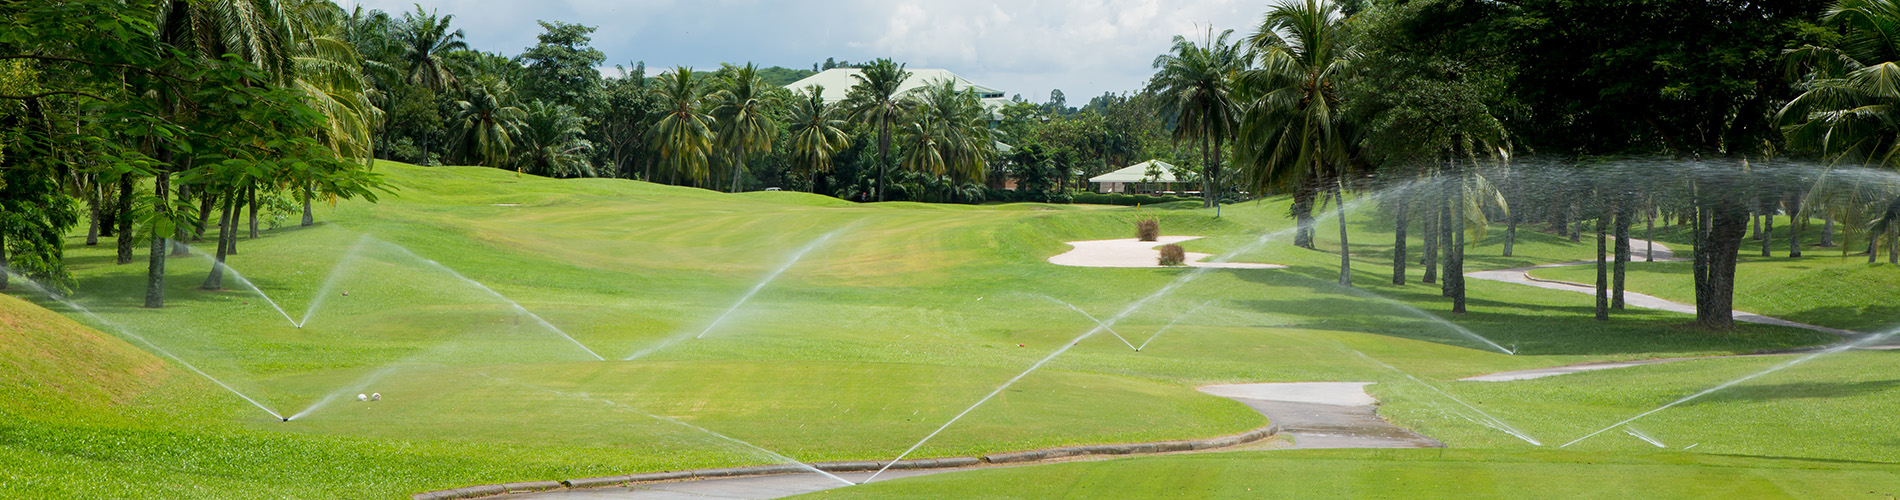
{"points": [[1083, 47]]}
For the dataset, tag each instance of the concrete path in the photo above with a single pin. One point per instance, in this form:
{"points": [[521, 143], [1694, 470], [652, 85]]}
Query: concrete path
{"points": [[1132, 252], [1638, 251], [1316, 415], [1321, 415], [1522, 276]]}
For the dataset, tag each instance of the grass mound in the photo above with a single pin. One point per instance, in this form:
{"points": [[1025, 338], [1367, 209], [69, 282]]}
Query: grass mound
{"points": [[48, 361]]}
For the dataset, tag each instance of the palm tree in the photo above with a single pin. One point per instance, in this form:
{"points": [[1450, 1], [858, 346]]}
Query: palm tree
{"points": [[1195, 83], [742, 108], [1294, 128], [486, 125], [951, 134], [876, 100], [817, 134], [551, 141], [426, 44], [683, 134], [1847, 110]]}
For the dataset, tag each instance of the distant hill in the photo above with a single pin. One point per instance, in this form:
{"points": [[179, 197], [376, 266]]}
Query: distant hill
{"points": [[779, 77]]}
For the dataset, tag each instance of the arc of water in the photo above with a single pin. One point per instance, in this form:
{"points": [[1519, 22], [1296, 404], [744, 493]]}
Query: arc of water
{"points": [[1091, 317], [498, 295], [800, 254], [247, 284], [1178, 282], [1433, 318], [123, 331], [749, 446], [1865, 340], [336, 274], [1164, 328], [769, 278], [1645, 437], [1489, 420]]}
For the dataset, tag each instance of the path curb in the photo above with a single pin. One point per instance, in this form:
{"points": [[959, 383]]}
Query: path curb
{"points": [[855, 466]]}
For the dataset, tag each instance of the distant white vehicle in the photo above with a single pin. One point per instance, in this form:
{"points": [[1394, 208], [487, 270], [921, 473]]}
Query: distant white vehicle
{"points": [[772, 189]]}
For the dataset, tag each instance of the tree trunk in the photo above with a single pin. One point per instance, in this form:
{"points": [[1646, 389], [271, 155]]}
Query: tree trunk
{"points": [[181, 233], [1893, 245], [124, 218], [155, 266], [1432, 220], [1398, 239], [1339, 211], [251, 197], [92, 204], [215, 280], [1210, 167], [1447, 247], [1303, 197], [738, 161], [1510, 233], [206, 207], [1827, 231], [883, 153], [1728, 225], [1797, 223], [1873, 247], [1603, 274], [108, 210], [1576, 225], [6, 261], [1768, 234], [1623, 213], [308, 218], [1649, 236], [1455, 266]]}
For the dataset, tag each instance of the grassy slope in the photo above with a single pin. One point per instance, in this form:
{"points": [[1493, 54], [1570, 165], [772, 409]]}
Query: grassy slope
{"points": [[905, 316], [1820, 288]]}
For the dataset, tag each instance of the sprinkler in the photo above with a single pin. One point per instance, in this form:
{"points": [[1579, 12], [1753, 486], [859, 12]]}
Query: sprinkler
{"points": [[286, 419]]}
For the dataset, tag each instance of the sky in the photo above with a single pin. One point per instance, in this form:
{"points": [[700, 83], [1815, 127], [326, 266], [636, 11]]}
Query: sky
{"points": [[1027, 47]]}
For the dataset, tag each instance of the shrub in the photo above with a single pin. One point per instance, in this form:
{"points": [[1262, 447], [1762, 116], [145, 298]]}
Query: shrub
{"points": [[1173, 255], [1148, 229]]}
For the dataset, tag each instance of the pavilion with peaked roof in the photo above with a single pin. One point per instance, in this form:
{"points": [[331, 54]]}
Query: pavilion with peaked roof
{"points": [[1138, 178]]}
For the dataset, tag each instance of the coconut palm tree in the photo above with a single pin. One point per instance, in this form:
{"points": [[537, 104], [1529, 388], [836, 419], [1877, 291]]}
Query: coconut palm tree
{"points": [[743, 107], [1847, 109], [426, 42], [817, 134], [950, 134], [551, 141], [1294, 127], [1195, 83], [486, 125], [683, 134], [876, 100]]}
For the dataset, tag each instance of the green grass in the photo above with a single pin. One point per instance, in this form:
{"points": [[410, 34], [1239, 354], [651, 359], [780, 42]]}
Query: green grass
{"points": [[1819, 288], [1407, 474], [908, 314]]}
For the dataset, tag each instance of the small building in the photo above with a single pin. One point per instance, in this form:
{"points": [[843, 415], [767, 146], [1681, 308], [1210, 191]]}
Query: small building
{"points": [[1152, 176]]}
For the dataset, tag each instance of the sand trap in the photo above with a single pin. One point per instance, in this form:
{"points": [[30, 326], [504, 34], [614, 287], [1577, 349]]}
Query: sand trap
{"points": [[1132, 252]]}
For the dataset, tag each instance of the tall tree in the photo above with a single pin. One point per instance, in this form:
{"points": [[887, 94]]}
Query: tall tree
{"points": [[877, 100], [1195, 83], [817, 134], [682, 134], [560, 68], [743, 107], [1295, 128]]}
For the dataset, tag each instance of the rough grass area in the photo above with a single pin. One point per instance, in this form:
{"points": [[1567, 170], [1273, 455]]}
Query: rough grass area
{"points": [[899, 320], [1820, 288]]}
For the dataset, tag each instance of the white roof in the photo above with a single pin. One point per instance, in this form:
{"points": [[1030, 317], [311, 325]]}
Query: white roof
{"points": [[1139, 173], [838, 82]]}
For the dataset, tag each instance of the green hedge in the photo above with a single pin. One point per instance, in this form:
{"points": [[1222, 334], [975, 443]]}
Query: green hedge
{"points": [[1127, 199]]}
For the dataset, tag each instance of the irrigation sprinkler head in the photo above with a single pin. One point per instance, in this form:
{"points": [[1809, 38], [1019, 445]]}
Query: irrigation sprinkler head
{"points": [[286, 419]]}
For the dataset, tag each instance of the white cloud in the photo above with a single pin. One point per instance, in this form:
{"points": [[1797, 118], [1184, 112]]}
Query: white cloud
{"points": [[1084, 47]]}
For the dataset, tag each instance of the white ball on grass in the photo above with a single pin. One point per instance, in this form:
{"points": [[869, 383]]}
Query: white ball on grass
{"points": [[360, 397]]}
